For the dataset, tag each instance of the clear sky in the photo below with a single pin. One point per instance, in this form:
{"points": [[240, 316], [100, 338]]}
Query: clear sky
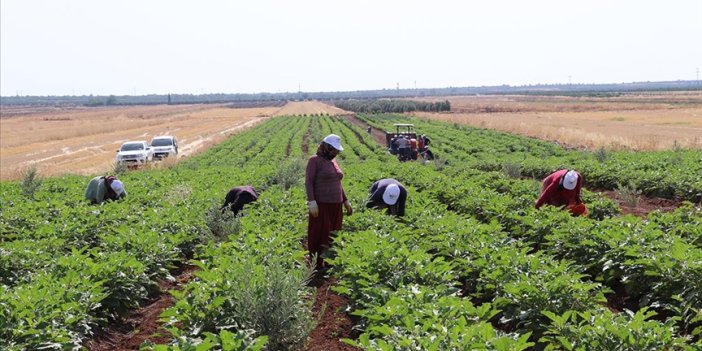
{"points": [[80, 47]]}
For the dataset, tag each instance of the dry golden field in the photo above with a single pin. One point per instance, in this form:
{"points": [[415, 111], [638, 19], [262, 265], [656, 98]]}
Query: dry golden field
{"points": [[652, 121], [308, 108], [84, 140]]}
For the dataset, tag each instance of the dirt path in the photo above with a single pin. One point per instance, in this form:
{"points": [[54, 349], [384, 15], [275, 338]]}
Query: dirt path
{"points": [[334, 324], [377, 134], [84, 141], [143, 324]]}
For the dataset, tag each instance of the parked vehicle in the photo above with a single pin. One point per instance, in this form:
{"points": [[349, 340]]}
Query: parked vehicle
{"points": [[417, 148], [164, 146], [135, 153]]}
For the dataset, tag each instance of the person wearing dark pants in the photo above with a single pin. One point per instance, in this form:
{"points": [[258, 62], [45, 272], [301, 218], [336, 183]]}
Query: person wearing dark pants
{"points": [[325, 197], [388, 193], [238, 197]]}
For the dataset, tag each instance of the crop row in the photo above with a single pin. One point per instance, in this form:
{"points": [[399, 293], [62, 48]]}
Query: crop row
{"points": [[669, 174], [525, 286], [68, 268], [471, 266]]}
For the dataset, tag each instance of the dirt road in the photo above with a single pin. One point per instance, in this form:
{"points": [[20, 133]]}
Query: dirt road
{"points": [[84, 141]]}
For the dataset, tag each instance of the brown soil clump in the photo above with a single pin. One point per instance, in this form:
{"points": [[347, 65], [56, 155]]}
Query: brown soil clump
{"points": [[645, 205]]}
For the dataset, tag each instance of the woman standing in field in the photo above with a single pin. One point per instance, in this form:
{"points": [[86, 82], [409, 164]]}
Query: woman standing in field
{"points": [[325, 196]]}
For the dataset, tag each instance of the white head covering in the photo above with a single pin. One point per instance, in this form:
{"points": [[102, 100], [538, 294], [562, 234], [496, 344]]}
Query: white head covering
{"points": [[391, 194], [570, 180], [117, 186], [333, 140]]}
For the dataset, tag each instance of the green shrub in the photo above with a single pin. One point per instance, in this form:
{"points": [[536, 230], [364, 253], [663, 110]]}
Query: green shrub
{"points": [[512, 170], [629, 194], [221, 223], [233, 295], [31, 181], [119, 168], [289, 174], [600, 154]]}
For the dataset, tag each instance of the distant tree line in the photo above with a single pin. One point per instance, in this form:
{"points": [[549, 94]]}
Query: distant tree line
{"points": [[100, 101], [535, 89], [398, 106]]}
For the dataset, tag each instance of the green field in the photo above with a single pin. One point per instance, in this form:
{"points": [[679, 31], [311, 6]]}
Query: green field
{"points": [[472, 266]]}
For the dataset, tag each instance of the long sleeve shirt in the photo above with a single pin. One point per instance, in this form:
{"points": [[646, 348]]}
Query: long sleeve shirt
{"points": [[553, 193], [98, 191], [239, 196], [376, 196], [323, 181]]}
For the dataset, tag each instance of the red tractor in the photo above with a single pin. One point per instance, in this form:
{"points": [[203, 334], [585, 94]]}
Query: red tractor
{"points": [[406, 144]]}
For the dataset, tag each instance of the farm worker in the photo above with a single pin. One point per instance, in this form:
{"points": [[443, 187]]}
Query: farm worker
{"points": [[104, 188], [403, 147], [413, 148], [238, 197], [426, 139], [369, 129], [325, 197], [388, 193], [562, 188], [393, 145]]}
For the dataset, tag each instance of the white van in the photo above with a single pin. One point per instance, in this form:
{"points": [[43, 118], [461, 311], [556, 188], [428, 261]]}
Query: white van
{"points": [[164, 146]]}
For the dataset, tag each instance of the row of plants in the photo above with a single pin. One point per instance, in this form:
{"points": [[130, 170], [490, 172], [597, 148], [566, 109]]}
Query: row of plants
{"points": [[68, 268], [503, 270], [250, 291], [669, 174], [622, 251], [471, 266], [655, 267]]}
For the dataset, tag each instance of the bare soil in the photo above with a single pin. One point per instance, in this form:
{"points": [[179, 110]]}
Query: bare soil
{"points": [[377, 134], [333, 323], [645, 204], [308, 108]]}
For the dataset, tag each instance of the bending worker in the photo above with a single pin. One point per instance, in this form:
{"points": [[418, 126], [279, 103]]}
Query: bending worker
{"points": [[562, 188], [238, 197], [103, 188], [388, 193]]}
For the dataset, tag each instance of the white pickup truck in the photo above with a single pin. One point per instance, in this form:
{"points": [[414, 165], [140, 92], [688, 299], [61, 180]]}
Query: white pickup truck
{"points": [[135, 152], [164, 146]]}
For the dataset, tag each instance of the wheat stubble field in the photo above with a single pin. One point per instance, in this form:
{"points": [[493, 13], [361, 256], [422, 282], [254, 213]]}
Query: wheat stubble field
{"points": [[84, 140], [642, 121]]}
